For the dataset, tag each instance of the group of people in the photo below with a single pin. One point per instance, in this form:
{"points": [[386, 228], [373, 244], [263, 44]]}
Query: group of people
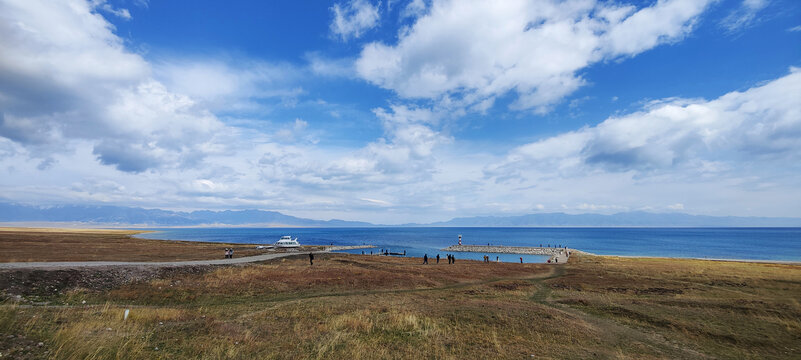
{"points": [[451, 259], [487, 259], [229, 253]]}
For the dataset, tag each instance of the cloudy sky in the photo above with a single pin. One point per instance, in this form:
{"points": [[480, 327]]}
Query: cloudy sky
{"points": [[401, 111]]}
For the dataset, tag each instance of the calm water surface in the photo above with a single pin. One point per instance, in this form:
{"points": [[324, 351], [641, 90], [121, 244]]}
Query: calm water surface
{"points": [[728, 243]]}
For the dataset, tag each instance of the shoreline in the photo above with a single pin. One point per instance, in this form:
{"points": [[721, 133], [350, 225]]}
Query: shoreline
{"points": [[535, 250], [757, 261]]}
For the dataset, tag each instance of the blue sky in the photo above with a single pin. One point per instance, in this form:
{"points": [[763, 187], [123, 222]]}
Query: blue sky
{"points": [[403, 111]]}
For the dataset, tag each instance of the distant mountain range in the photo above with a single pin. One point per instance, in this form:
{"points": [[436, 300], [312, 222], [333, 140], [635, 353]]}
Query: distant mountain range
{"points": [[128, 216], [634, 218], [120, 216]]}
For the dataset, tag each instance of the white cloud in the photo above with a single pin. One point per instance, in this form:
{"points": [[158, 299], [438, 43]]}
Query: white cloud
{"points": [[231, 84], [297, 131], [352, 19], [743, 16], [105, 6], [405, 152], [67, 77], [475, 50], [377, 202], [414, 9], [597, 207], [676, 206], [690, 137], [323, 66], [795, 28]]}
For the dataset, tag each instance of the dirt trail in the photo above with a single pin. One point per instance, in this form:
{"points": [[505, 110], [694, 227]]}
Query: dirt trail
{"points": [[80, 264]]}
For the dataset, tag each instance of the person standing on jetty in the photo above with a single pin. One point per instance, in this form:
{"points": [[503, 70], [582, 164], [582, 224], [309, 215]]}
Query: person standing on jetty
{"points": [[425, 258], [311, 259]]}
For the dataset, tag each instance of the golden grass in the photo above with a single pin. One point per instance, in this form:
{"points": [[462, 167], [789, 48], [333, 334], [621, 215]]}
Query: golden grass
{"points": [[726, 309]]}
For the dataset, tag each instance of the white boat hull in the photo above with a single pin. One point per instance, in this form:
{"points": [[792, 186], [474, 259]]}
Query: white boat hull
{"points": [[287, 242]]}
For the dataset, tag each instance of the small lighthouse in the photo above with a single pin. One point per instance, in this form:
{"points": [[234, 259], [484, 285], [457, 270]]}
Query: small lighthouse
{"points": [[460, 239]]}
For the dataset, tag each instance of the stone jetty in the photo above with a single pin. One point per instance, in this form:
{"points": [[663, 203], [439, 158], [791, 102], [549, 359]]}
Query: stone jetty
{"points": [[555, 253], [348, 247], [505, 249]]}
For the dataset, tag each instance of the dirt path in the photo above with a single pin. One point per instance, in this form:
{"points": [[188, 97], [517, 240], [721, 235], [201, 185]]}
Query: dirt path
{"points": [[80, 264], [560, 258]]}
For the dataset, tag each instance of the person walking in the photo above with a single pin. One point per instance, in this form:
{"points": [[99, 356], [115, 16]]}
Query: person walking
{"points": [[521, 259], [425, 258], [311, 259], [231, 253], [453, 259], [437, 258], [226, 253]]}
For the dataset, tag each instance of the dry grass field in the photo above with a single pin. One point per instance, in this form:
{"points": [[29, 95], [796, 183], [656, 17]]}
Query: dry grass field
{"points": [[27, 245], [362, 306]]}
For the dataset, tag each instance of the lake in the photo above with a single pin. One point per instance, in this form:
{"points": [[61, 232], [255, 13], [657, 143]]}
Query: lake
{"points": [[721, 243]]}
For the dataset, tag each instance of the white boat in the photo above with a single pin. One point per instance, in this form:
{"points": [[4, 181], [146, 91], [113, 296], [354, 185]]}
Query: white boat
{"points": [[287, 241]]}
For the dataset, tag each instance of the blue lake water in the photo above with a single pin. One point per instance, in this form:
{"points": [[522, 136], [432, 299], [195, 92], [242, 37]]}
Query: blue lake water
{"points": [[725, 243]]}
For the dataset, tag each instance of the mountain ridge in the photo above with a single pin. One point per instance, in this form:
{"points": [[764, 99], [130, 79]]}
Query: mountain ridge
{"points": [[133, 216]]}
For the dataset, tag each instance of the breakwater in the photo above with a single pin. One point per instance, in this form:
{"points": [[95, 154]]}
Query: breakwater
{"points": [[347, 247], [527, 250], [558, 255]]}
